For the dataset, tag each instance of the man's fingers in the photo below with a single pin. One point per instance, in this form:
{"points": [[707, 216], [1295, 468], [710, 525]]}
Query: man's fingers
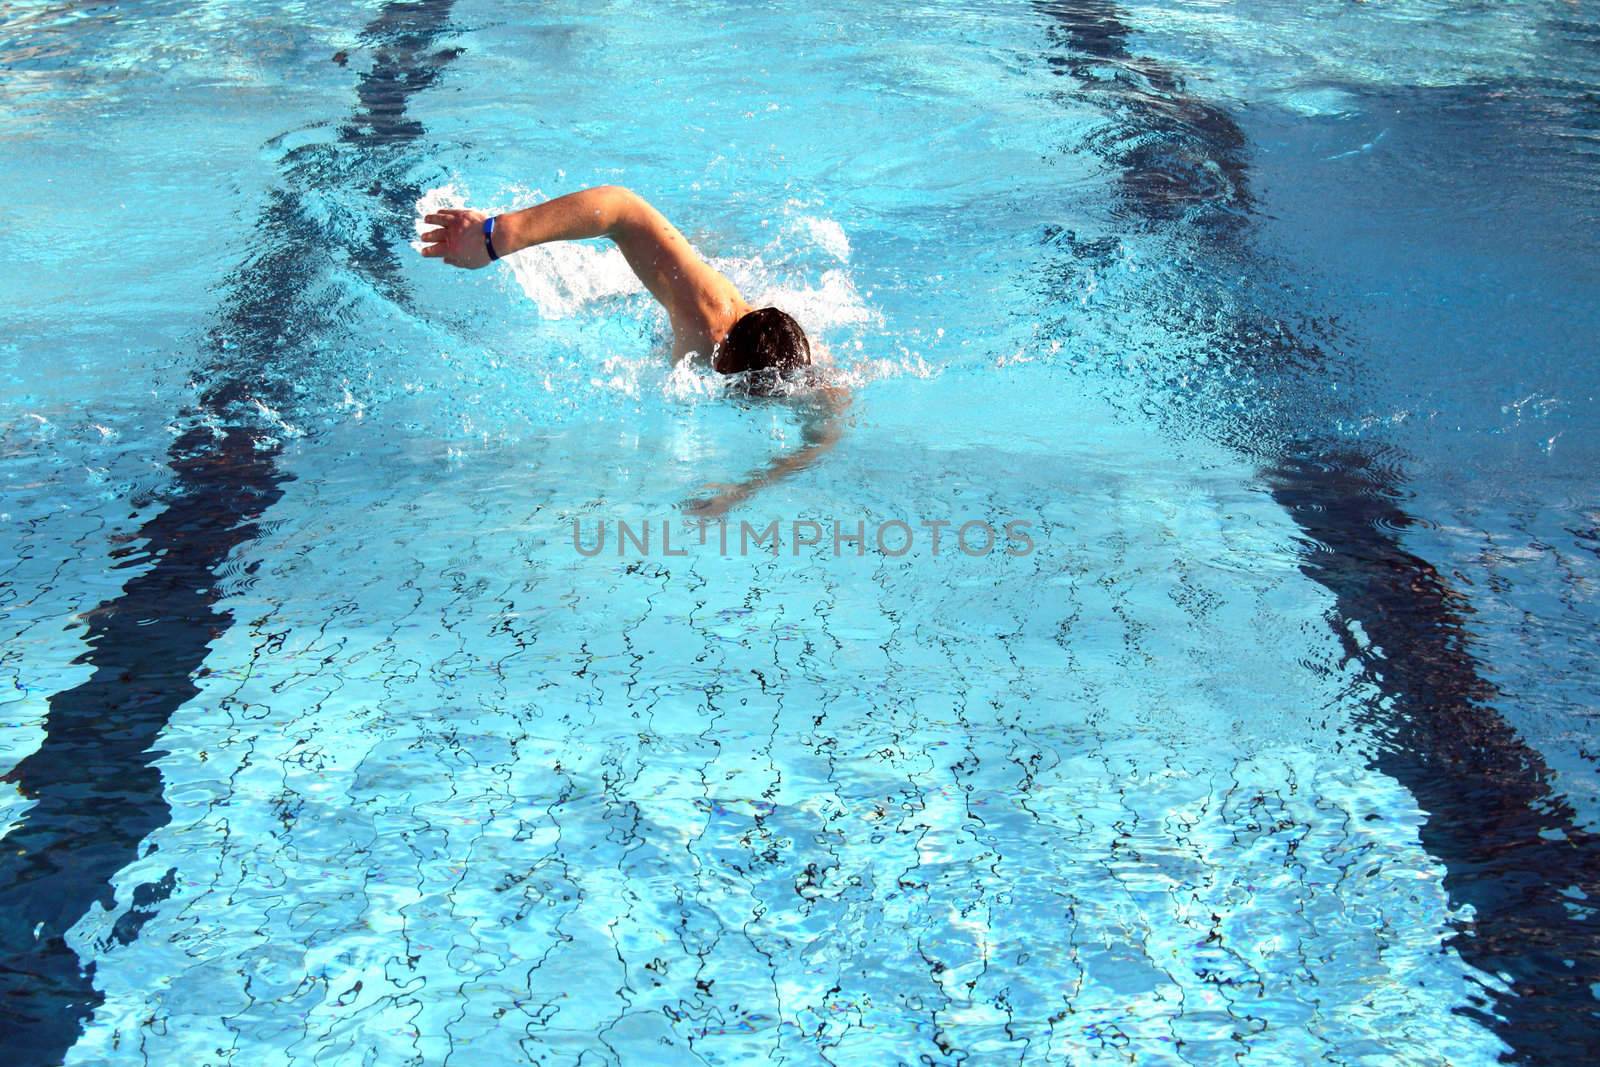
{"points": [[711, 508], [434, 251], [434, 236], [443, 217]]}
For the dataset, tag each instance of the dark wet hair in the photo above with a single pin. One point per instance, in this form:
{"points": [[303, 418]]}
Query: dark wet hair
{"points": [[765, 345]]}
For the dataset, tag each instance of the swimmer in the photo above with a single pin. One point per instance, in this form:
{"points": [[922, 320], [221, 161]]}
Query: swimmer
{"points": [[765, 346]]}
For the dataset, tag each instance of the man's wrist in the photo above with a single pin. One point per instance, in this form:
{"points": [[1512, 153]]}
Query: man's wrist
{"points": [[488, 237]]}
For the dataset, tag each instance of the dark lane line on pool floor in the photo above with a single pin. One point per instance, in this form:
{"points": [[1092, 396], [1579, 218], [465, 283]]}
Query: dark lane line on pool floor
{"points": [[95, 787], [1512, 847]]}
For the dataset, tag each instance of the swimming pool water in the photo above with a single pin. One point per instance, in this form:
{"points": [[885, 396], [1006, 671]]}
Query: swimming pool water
{"points": [[324, 743]]}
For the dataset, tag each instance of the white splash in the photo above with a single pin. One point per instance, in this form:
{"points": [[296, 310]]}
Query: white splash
{"points": [[562, 279], [827, 234], [691, 380], [276, 420], [687, 381]]}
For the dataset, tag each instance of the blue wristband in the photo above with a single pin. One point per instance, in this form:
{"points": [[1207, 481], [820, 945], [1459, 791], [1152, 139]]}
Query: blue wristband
{"points": [[488, 237]]}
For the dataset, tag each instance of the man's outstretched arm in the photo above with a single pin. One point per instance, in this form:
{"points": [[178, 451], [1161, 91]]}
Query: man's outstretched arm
{"points": [[819, 431], [653, 247]]}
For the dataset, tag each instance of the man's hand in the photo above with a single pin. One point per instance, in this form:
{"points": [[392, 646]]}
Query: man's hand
{"points": [[715, 507], [459, 238]]}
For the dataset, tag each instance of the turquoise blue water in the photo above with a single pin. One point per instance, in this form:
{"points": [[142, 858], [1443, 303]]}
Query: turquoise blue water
{"points": [[1273, 322]]}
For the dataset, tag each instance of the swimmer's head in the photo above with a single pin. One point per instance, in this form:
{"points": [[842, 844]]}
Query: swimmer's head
{"points": [[766, 342]]}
